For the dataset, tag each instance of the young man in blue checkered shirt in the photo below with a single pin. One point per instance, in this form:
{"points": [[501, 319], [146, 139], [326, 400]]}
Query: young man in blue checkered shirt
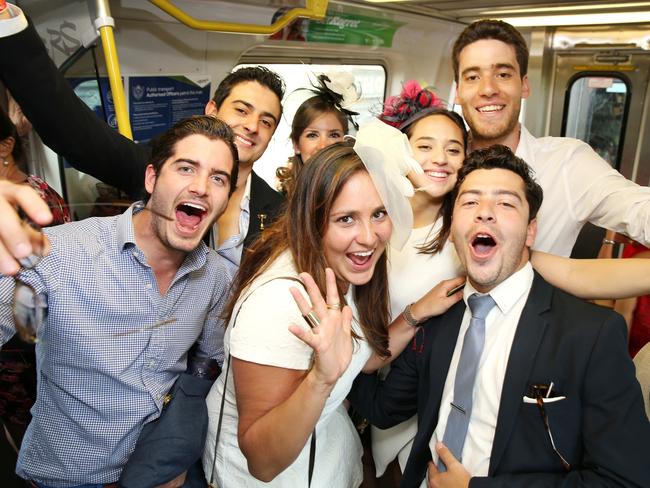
{"points": [[127, 297]]}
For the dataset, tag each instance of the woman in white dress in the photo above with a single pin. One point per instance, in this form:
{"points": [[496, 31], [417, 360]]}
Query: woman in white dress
{"points": [[284, 381], [438, 139]]}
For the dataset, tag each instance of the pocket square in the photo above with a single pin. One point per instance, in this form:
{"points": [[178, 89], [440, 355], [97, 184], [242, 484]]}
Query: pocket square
{"points": [[528, 399]]}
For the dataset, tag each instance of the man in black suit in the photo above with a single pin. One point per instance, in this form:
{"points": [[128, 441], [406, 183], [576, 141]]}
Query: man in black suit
{"points": [[248, 100], [552, 399]]}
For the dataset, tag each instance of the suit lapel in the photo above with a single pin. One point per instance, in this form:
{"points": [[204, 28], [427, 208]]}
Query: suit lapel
{"points": [[264, 205], [530, 330], [441, 338], [442, 349]]}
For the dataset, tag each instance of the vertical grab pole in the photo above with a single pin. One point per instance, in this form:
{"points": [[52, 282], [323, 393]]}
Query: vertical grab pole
{"points": [[105, 23]]}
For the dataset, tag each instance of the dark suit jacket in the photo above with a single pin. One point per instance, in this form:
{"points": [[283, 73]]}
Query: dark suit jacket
{"points": [[600, 428], [73, 131]]}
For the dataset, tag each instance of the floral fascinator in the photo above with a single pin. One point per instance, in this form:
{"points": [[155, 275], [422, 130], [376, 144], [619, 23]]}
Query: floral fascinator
{"points": [[412, 104]]}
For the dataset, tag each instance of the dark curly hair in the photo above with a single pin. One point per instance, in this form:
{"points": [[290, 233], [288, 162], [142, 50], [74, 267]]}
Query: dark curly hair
{"points": [[260, 74], [491, 29], [206, 125], [500, 157]]}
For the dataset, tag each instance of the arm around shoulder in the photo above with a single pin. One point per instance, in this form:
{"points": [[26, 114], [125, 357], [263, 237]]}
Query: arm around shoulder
{"points": [[62, 120], [595, 278]]}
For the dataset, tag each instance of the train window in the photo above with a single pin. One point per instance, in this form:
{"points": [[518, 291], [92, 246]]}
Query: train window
{"points": [[595, 112], [370, 79]]}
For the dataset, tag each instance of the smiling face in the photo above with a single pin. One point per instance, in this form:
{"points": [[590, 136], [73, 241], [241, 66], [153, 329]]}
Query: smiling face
{"points": [[358, 228], [490, 89], [324, 130], [192, 186], [252, 111], [437, 144], [490, 227]]}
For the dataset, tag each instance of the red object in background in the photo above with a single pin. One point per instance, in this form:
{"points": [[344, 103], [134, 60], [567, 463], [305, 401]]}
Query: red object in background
{"points": [[640, 330]]}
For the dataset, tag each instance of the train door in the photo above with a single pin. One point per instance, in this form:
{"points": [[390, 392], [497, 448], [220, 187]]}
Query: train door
{"points": [[601, 97]]}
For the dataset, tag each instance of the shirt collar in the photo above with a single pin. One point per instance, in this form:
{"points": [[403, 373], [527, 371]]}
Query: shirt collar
{"points": [[507, 293], [245, 199], [524, 151], [125, 231]]}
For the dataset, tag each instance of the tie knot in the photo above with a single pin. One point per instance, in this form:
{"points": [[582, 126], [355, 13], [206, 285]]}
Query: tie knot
{"points": [[480, 305]]}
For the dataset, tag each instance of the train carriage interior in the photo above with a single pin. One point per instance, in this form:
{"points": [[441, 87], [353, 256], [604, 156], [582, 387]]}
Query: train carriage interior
{"points": [[589, 76], [588, 72]]}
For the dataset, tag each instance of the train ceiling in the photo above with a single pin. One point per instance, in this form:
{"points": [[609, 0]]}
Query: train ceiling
{"points": [[546, 13]]}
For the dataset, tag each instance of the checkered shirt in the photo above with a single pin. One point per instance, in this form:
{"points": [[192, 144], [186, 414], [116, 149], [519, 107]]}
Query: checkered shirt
{"points": [[104, 360]]}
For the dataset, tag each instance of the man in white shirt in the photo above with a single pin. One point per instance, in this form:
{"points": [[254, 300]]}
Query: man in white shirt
{"points": [[551, 399], [490, 62]]}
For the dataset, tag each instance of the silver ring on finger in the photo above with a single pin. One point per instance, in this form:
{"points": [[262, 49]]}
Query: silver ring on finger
{"points": [[312, 319]]}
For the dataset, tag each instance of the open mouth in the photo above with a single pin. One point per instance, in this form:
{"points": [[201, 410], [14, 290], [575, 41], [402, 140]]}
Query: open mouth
{"points": [[488, 109], [483, 244], [190, 215], [360, 259]]}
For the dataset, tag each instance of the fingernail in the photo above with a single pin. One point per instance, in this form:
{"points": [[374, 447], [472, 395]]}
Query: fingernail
{"points": [[8, 267], [22, 250]]}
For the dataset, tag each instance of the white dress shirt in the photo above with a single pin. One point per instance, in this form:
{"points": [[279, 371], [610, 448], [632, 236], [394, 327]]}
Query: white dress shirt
{"points": [[579, 186], [232, 248], [500, 326]]}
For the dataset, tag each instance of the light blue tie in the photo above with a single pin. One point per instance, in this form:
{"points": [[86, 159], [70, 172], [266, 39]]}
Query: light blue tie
{"points": [[461, 406]]}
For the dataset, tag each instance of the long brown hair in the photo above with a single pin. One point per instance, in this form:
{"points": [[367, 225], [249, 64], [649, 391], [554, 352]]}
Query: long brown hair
{"points": [[301, 229]]}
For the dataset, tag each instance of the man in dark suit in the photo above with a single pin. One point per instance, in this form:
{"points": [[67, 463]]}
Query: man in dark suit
{"points": [[248, 100], [538, 390]]}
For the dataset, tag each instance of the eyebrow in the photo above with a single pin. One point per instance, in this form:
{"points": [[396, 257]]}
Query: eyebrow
{"points": [[354, 212], [196, 164], [250, 106], [493, 66], [495, 192], [430, 138], [326, 130]]}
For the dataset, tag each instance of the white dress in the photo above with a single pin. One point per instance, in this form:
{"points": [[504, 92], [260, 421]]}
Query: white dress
{"points": [[410, 276], [261, 335]]}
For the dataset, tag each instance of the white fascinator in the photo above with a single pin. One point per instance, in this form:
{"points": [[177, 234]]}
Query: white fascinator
{"points": [[386, 153], [335, 88]]}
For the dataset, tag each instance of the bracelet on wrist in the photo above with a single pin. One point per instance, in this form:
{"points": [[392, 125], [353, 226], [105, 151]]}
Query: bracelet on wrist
{"points": [[609, 241], [408, 316]]}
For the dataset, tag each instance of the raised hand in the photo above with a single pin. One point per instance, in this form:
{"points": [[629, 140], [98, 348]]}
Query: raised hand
{"points": [[18, 240], [330, 332], [436, 301]]}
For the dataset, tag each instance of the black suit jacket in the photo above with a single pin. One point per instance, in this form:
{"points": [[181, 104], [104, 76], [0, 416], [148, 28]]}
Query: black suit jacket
{"points": [[600, 428], [73, 131]]}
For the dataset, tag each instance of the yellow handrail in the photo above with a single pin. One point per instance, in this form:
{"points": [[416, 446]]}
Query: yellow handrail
{"points": [[104, 23], [315, 9]]}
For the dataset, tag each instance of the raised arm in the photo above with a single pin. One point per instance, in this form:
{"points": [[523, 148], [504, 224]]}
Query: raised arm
{"points": [[400, 332], [61, 119], [595, 278], [279, 407], [598, 193]]}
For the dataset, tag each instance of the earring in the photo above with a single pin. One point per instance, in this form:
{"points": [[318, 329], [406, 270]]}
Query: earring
{"points": [[5, 163]]}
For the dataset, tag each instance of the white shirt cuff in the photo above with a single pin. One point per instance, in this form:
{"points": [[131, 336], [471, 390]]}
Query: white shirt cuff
{"points": [[15, 24]]}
